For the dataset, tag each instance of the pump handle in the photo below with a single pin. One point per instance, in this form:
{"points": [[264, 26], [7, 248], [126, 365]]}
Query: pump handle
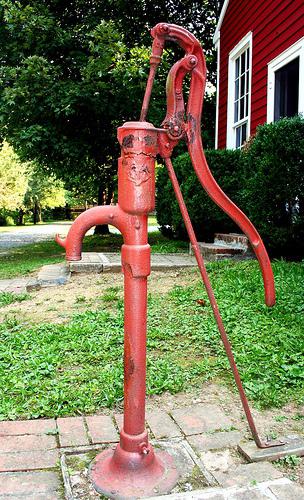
{"points": [[179, 124]]}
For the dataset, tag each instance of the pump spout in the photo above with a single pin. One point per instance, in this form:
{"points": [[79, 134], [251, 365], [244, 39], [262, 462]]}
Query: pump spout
{"points": [[105, 214]]}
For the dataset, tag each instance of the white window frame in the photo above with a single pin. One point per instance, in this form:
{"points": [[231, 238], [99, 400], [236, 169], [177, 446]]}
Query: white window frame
{"points": [[218, 49], [243, 45], [294, 51]]}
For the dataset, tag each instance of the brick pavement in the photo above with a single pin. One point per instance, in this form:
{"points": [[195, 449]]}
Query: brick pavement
{"points": [[30, 452]]}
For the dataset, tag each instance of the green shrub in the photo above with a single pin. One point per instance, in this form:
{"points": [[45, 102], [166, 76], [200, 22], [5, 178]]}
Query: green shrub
{"points": [[206, 217], [273, 194], [265, 179], [6, 219]]}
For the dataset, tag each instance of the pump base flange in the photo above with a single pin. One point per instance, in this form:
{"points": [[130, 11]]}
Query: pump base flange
{"points": [[120, 474]]}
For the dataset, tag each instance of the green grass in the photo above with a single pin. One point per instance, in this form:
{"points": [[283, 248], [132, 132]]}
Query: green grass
{"points": [[26, 259], [72, 368], [7, 298]]}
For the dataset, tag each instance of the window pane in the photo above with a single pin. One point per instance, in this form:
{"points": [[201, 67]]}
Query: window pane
{"points": [[242, 115], [238, 137], [243, 63], [242, 86], [246, 106], [244, 132], [237, 67], [286, 94], [236, 111], [236, 90], [247, 59]]}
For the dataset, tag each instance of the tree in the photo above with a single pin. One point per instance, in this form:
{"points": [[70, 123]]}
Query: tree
{"points": [[13, 178], [42, 192], [135, 19], [61, 96]]}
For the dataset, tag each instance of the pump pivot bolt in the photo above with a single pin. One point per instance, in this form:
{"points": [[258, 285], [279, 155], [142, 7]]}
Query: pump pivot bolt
{"points": [[143, 447]]}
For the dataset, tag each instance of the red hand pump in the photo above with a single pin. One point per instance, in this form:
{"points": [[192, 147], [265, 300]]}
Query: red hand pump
{"points": [[134, 469]]}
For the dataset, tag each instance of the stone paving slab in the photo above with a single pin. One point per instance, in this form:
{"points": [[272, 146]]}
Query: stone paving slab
{"points": [[119, 420], [294, 445], [100, 262], [247, 474], [53, 275], [290, 491], [21, 427], [19, 286], [261, 491], [28, 460], [217, 441], [101, 429], [27, 443], [72, 431], [162, 425], [201, 418], [29, 485]]}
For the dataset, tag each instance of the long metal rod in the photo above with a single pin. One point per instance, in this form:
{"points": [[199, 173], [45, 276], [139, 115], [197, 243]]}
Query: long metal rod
{"points": [[147, 96], [215, 309]]}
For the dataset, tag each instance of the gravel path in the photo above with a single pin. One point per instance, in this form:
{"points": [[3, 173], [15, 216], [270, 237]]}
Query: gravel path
{"points": [[41, 232], [31, 234]]}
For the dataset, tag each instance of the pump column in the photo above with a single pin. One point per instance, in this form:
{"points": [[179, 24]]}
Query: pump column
{"points": [[136, 196]]}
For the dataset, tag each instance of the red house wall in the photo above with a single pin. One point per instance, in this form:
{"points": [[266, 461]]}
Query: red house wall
{"points": [[275, 26]]}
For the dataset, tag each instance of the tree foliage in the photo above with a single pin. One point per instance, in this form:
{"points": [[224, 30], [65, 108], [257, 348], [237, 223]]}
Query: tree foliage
{"points": [[71, 72], [42, 192], [13, 179]]}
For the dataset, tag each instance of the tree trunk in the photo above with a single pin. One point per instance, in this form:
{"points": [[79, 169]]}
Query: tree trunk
{"points": [[20, 221], [104, 229], [67, 212], [37, 213]]}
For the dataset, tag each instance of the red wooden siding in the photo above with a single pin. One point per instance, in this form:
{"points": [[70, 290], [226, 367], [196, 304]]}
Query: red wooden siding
{"points": [[275, 26]]}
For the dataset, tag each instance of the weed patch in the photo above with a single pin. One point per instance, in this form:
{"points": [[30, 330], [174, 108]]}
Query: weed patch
{"points": [[7, 298]]}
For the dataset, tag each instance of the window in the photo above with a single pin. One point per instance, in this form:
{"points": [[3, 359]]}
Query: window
{"points": [[285, 95], [239, 86], [241, 94], [286, 90]]}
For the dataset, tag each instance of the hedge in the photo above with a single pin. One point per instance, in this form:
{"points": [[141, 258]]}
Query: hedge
{"points": [[273, 192], [206, 217], [265, 179]]}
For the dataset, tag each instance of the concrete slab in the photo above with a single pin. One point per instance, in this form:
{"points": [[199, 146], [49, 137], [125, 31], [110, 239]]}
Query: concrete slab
{"points": [[101, 262], [217, 441], [162, 425], [287, 491], [201, 418], [294, 445], [29, 485], [247, 474], [54, 274]]}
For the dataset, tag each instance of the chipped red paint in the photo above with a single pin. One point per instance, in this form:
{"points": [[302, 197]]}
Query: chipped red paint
{"points": [[134, 469]]}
